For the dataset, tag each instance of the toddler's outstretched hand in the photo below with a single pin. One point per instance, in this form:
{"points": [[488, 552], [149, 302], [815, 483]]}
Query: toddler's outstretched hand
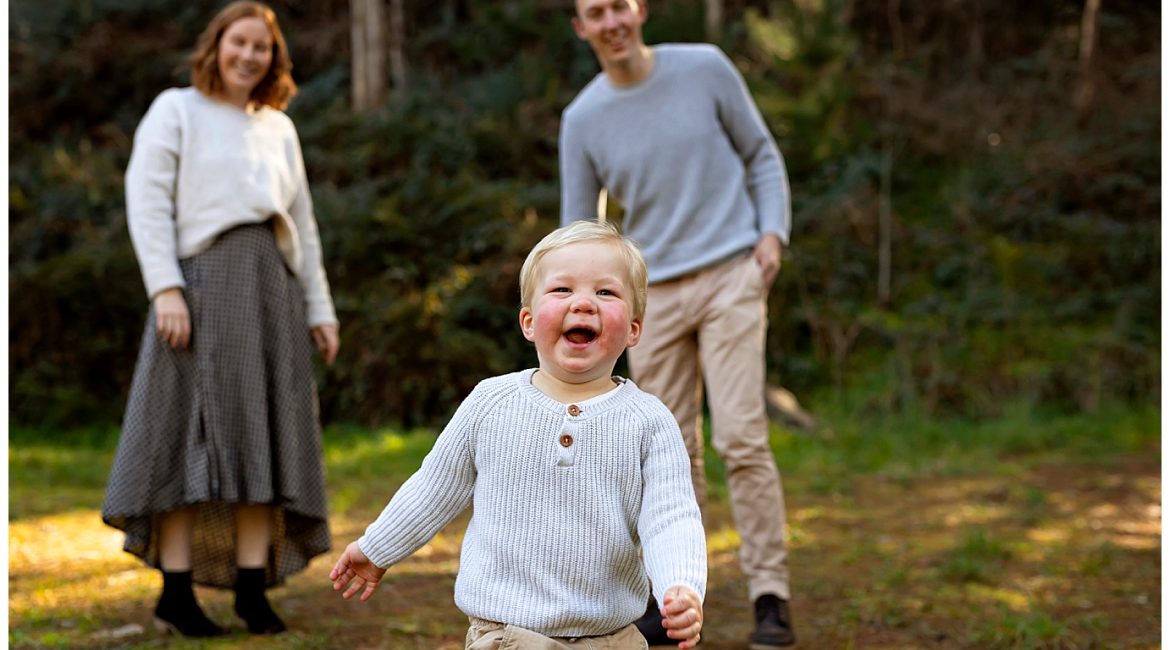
{"points": [[682, 615], [355, 568]]}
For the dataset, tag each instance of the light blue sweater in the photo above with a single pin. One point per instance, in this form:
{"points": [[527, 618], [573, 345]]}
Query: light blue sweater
{"points": [[687, 154], [562, 538]]}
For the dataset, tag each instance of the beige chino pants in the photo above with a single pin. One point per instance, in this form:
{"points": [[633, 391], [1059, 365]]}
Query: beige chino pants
{"points": [[489, 635], [708, 328]]}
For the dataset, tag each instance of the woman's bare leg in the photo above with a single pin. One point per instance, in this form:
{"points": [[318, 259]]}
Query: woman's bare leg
{"points": [[176, 529], [253, 535]]}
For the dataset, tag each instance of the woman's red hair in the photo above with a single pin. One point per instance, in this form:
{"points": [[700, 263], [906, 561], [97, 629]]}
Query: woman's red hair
{"points": [[277, 86]]}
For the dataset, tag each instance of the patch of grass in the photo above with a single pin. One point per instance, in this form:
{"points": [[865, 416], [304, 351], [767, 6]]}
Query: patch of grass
{"points": [[364, 468], [1028, 630], [100, 437], [908, 445], [979, 557], [385, 452], [51, 472], [892, 576], [1032, 504], [1098, 559]]}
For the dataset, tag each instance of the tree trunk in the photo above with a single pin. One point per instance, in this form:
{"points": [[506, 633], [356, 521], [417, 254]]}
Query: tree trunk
{"points": [[713, 20], [375, 52], [397, 45], [1085, 89], [357, 46], [367, 28]]}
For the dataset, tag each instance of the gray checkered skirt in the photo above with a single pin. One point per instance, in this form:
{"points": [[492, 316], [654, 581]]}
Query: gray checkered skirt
{"points": [[232, 419]]}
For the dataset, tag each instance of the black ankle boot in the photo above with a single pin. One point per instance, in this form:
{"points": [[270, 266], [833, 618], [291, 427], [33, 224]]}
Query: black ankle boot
{"points": [[178, 612], [650, 625], [773, 624], [252, 605]]}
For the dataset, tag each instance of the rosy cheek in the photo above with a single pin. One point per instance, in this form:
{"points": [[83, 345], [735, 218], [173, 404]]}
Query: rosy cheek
{"points": [[546, 322], [615, 324]]}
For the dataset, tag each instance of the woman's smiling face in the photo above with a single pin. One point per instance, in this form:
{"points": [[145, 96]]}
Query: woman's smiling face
{"points": [[244, 57]]}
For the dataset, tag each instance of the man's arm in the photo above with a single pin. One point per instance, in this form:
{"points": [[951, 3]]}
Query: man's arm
{"points": [[580, 185], [767, 177]]}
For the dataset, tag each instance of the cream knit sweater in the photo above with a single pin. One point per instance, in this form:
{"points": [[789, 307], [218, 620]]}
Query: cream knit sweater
{"points": [[200, 167]]}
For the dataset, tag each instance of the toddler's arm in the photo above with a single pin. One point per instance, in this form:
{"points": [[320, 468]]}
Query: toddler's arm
{"points": [[682, 615], [355, 568]]}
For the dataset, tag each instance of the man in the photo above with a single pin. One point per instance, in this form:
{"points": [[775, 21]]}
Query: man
{"points": [[673, 134]]}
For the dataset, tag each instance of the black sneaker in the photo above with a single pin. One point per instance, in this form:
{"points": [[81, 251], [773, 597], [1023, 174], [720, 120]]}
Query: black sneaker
{"points": [[650, 625], [773, 624]]}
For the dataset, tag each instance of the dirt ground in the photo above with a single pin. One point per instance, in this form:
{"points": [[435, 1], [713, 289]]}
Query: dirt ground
{"points": [[1040, 557]]}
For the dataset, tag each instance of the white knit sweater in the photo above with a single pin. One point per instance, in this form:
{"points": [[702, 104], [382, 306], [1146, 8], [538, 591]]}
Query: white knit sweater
{"points": [[200, 167], [562, 538]]}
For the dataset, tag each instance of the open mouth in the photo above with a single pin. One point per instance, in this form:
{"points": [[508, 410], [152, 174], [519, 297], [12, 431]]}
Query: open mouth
{"points": [[580, 335]]}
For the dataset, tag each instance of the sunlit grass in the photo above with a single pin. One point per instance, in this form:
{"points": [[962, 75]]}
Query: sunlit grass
{"points": [[72, 586], [910, 531]]}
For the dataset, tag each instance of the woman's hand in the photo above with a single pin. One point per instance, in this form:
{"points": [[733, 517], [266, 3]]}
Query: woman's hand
{"points": [[171, 318], [327, 340]]}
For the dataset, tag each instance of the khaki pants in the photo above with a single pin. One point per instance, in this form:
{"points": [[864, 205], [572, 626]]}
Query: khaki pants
{"points": [[709, 328], [489, 635]]}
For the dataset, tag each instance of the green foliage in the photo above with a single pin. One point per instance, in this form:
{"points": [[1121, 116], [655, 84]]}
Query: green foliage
{"points": [[1024, 256], [425, 247], [1024, 250]]}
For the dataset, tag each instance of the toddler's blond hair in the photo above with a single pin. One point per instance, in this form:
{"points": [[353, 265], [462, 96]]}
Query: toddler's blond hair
{"points": [[584, 231]]}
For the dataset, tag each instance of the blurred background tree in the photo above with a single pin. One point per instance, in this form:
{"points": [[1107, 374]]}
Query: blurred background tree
{"points": [[976, 193]]}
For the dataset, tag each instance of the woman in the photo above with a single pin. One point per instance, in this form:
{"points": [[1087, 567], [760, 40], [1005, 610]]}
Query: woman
{"points": [[218, 478]]}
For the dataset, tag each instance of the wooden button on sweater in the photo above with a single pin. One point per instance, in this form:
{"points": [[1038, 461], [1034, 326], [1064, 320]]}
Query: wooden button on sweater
{"points": [[566, 440], [574, 410]]}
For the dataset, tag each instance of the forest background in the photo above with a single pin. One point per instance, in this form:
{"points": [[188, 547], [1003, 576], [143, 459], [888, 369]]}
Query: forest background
{"points": [[976, 195]]}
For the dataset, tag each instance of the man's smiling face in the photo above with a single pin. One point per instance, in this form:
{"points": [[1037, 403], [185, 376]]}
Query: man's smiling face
{"points": [[613, 28]]}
